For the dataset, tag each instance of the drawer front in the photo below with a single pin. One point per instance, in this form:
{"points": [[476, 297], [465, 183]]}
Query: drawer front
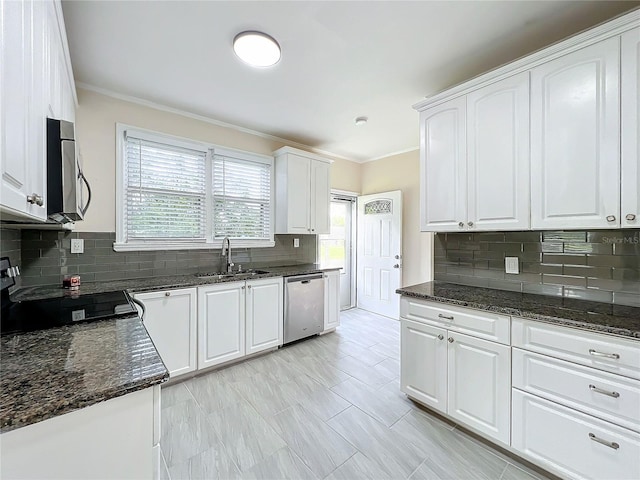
{"points": [[572, 443], [596, 350], [604, 395], [486, 325]]}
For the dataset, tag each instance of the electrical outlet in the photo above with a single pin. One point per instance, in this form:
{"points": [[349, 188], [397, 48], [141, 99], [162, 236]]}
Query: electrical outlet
{"points": [[296, 242], [77, 245], [511, 265]]}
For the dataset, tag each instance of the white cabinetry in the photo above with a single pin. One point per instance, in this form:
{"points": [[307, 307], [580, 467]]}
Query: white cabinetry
{"points": [[302, 192], [171, 318], [112, 439], [331, 299], [36, 76], [264, 311], [237, 319], [576, 401], [575, 135], [630, 86], [475, 159], [465, 377]]}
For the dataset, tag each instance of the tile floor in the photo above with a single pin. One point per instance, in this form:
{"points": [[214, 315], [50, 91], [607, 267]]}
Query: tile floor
{"points": [[328, 407]]}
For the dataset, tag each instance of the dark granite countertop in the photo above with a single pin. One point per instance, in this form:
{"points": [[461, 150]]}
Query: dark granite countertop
{"points": [[158, 283], [51, 372], [596, 316]]}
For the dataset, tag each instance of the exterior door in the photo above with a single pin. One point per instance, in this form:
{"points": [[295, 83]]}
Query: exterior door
{"points": [[336, 247], [631, 129], [380, 252], [575, 139]]}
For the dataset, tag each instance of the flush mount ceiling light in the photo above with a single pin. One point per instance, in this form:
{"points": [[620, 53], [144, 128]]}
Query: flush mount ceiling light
{"points": [[361, 120], [257, 49]]}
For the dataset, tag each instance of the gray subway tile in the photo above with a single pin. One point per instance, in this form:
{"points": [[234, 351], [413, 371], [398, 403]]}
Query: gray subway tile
{"points": [[613, 261], [630, 299], [586, 271], [607, 236], [523, 277], [614, 285], [597, 248], [626, 249], [564, 236], [541, 289], [530, 257], [529, 237], [564, 258], [489, 237], [588, 294], [510, 247], [564, 280], [632, 274]]}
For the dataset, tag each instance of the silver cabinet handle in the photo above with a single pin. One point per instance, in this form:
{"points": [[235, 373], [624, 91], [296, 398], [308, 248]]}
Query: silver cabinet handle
{"points": [[242, 287], [35, 199], [450, 339], [593, 388], [631, 217], [613, 445], [611, 218], [470, 224], [440, 337], [397, 257], [446, 317], [249, 287], [595, 353], [167, 294], [396, 266], [461, 224]]}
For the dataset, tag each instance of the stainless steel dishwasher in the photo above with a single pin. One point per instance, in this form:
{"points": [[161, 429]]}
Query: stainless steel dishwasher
{"points": [[303, 306]]}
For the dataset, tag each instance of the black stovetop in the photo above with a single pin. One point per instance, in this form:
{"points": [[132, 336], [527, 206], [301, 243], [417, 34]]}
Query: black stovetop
{"points": [[71, 309]]}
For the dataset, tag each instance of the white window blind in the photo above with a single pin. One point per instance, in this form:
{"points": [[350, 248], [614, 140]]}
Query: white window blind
{"points": [[241, 198], [165, 191]]}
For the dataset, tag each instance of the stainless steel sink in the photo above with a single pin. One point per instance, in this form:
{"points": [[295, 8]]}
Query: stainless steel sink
{"points": [[234, 275]]}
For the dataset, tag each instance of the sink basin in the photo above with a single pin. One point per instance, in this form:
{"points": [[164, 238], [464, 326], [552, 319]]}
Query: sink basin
{"points": [[223, 275]]}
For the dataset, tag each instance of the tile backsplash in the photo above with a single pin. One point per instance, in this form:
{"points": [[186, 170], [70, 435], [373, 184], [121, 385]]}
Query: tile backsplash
{"points": [[10, 247], [598, 265], [46, 257]]}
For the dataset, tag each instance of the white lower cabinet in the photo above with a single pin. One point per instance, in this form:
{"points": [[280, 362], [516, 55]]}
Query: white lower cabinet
{"points": [[331, 300], [237, 319], [571, 443], [170, 319], [479, 384], [465, 377]]}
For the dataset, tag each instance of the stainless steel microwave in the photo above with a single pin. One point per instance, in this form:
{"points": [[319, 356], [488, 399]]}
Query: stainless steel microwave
{"points": [[65, 180]]}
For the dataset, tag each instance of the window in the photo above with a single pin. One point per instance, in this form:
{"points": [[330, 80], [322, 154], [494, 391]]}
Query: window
{"points": [[179, 194]]}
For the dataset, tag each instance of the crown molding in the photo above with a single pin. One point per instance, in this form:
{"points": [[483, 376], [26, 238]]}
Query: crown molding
{"points": [[398, 152]]}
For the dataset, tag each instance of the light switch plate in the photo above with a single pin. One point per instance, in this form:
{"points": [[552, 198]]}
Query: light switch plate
{"points": [[511, 265], [296, 242], [77, 245]]}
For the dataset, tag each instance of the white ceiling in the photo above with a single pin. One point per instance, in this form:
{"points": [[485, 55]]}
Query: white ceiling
{"points": [[339, 60]]}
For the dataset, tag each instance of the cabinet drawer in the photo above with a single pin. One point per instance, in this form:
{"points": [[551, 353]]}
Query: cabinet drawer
{"points": [[604, 395], [597, 350], [487, 325], [567, 441]]}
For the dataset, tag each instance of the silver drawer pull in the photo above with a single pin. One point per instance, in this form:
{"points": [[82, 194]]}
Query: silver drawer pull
{"points": [[446, 317], [593, 388], [613, 445], [605, 355]]}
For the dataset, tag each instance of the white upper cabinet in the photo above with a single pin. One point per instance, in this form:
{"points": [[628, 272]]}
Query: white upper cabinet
{"points": [[575, 135], [302, 192], [630, 212], [498, 155], [475, 160], [443, 167], [37, 83]]}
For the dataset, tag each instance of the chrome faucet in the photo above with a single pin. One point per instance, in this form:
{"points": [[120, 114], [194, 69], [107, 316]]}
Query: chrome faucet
{"points": [[226, 252]]}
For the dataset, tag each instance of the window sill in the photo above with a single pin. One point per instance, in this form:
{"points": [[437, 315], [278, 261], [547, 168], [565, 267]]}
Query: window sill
{"points": [[155, 246]]}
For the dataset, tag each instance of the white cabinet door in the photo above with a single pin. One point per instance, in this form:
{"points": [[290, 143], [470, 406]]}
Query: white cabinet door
{"points": [[331, 299], [221, 313], [15, 64], [423, 365], [298, 184], [573, 444], [498, 155], [264, 314], [171, 318], [630, 210], [320, 197], [443, 189], [479, 379], [575, 135]]}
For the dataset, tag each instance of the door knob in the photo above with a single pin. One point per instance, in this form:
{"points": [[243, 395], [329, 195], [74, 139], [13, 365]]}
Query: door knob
{"points": [[630, 217], [396, 266], [611, 218]]}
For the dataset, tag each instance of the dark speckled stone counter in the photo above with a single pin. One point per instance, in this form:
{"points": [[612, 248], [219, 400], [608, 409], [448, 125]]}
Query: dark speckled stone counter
{"points": [[158, 283], [602, 317], [48, 373]]}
